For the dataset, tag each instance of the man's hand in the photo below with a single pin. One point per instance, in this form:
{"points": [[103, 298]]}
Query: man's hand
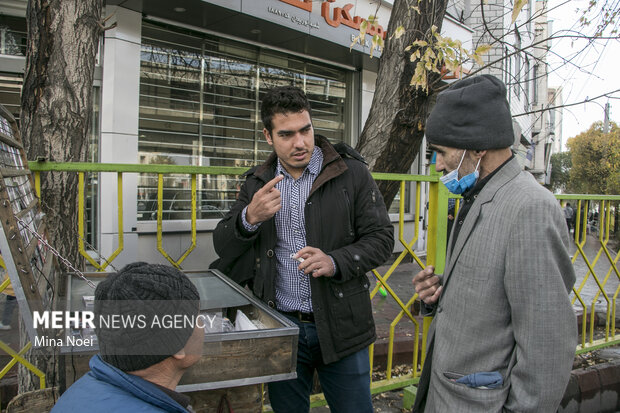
{"points": [[265, 202], [426, 284], [315, 261]]}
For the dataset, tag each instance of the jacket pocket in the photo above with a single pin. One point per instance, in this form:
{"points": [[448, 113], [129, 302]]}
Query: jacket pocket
{"points": [[472, 271], [490, 400], [351, 310], [349, 214], [480, 380]]}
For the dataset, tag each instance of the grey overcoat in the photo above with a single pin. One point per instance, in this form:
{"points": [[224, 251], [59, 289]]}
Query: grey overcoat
{"points": [[504, 305]]}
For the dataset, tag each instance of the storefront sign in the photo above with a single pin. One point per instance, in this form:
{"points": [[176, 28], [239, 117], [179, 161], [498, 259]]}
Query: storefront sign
{"points": [[295, 19], [339, 15], [335, 21]]}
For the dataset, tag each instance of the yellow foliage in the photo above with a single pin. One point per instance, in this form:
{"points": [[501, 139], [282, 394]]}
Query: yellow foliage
{"points": [[400, 30], [431, 53], [517, 9], [483, 49], [478, 59], [376, 41]]}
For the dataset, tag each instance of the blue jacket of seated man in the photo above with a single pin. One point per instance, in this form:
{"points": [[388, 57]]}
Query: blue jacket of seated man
{"points": [[107, 389]]}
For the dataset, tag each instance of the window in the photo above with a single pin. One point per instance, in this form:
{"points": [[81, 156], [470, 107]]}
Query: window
{"points": [[13, 35], [200, 105], [10, 92]]}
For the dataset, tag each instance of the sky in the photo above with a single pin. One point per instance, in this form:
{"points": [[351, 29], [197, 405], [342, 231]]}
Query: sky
{"points": [[595, 71]]}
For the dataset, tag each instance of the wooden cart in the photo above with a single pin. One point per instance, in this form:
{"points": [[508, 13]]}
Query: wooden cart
{"points": [[233, 362]]}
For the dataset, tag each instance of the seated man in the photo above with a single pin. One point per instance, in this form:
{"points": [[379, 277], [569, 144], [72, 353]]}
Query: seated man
{"points": [[138, 367]]}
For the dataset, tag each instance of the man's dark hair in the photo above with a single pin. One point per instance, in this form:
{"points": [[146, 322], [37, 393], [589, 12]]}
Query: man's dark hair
{"points": [[284, 99]]}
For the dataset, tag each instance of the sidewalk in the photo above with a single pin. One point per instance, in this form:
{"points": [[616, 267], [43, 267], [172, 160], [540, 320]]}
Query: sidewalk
{"points": [[590, 289]]}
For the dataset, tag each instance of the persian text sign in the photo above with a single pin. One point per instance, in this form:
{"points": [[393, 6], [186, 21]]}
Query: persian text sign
{"points": [[334, 20], [339, 15]]}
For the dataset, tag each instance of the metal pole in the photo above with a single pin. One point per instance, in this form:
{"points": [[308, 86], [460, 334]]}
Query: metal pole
{"points": [[606, 121]]}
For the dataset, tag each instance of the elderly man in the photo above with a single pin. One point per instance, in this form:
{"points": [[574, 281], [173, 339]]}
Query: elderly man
{"points": [[503, 335], [139, 367]]}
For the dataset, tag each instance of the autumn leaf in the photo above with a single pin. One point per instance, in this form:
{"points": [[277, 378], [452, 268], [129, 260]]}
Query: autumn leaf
{"points": [[362, 35], [477, 58], [517, 9], [400, 30], [483, 49], [377, 41], [363, 28]]}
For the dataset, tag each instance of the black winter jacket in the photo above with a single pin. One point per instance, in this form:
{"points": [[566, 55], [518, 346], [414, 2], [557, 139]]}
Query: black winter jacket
{"points": [[345, 218]]}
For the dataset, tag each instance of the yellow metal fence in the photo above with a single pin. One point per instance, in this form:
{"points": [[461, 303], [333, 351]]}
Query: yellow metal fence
{"points": [[587, 232]]}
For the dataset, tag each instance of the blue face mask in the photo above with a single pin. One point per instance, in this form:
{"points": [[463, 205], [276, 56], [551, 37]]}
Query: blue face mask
{"points": [[458, 186]]}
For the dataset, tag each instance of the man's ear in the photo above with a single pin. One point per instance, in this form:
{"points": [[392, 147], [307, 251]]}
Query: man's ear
{"points": [[479, 154], [267, 136]]}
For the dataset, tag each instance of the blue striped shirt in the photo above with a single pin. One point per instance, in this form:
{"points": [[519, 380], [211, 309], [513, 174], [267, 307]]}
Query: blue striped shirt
{"points": [[292, 285]]}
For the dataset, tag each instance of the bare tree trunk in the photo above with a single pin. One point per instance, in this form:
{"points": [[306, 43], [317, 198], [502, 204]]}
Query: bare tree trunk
{"points": [[395, 127], [56, 108]]}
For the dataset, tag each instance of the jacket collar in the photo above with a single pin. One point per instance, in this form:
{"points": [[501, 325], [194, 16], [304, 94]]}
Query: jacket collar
{"points": [[333, 164], [507, 172], [137, 386]]}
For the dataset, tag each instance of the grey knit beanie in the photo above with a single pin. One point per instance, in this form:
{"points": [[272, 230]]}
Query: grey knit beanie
{"points": [[472, 113], [145, 292]]}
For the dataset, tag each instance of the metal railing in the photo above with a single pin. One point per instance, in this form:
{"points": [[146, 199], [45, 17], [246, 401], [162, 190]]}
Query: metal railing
{"points": [[594, 219], [17, 357], [436, 237]]}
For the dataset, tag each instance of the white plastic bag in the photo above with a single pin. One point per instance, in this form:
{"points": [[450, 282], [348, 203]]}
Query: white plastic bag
{"points": [[243, 323]]}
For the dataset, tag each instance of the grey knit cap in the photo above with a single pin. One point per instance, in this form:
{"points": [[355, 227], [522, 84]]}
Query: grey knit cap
{"points": [[472, 113], [151, 291]]}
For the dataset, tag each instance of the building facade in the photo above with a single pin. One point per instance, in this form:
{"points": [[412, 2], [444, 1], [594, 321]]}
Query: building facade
{"points": [[518, 56], [181, 82]]}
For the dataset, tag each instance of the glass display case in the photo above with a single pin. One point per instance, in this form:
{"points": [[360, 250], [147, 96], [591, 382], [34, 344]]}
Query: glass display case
{"points": [[245, 342]]}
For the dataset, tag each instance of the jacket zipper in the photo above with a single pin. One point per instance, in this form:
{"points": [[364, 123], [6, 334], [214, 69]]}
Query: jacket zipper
{"points": [[349, 211]]}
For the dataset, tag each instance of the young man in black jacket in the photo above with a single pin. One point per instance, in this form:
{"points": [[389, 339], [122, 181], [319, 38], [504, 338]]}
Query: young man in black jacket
{"points": [[308, 224]]}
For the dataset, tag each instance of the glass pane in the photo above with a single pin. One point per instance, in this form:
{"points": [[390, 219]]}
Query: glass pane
{"points": [[10, 92], [13, 36], [200, 105], [394, 208]]}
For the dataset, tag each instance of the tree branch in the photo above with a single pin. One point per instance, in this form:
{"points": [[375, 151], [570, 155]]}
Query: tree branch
{"points": [[571, 104]]}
